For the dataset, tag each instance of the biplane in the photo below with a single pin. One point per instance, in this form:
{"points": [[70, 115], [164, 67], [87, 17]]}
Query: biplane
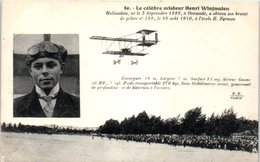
{"points": [[133, 44]]}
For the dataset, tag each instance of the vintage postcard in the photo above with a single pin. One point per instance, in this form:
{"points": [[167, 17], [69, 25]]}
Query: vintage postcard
{"points": [[129, 80]]}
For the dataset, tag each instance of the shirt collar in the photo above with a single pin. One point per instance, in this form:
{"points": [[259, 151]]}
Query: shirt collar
{"points": [[53, 92]]}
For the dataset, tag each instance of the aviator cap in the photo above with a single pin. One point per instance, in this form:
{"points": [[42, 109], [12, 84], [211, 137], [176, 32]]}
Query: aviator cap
{"points": [[46, 49]]}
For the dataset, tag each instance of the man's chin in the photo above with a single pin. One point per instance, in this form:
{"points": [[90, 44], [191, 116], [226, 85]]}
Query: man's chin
{"points": [[46, 87]]}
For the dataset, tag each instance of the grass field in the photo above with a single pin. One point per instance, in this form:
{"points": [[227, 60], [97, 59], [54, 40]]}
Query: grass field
{"points": [[58, 148]]}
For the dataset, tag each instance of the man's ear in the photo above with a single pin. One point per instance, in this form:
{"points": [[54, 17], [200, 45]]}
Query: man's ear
{"points": [[30, 70], [62, 67]]}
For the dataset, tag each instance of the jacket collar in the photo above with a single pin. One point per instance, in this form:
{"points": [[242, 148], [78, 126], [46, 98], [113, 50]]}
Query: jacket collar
{"points": [[63, 106]]}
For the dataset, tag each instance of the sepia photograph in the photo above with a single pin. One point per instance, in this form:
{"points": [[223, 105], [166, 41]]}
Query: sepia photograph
{"points": [[40, 73]]}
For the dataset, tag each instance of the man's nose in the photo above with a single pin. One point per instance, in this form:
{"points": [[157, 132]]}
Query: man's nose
{"points": [[45, 70]]}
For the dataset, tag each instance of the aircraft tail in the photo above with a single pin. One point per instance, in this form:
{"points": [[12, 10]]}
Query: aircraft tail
{"points": [[156, 38]]}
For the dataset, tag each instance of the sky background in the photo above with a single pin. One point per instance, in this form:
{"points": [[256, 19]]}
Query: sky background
{"points": [[186, 49]]}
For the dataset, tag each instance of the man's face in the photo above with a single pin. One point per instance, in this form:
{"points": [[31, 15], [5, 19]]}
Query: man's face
{"points": [[46, 72]]}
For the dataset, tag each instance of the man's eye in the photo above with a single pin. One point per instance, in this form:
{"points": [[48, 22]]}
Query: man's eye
{"points": [[51, 64], [37, 66]]}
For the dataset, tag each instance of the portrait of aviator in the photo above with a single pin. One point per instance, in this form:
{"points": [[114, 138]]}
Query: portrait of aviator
{"points": [[45, 63]]}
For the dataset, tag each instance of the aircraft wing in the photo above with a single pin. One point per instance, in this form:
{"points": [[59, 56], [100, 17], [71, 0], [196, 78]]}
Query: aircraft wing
{"points": [[123, 53], [115, 39]]}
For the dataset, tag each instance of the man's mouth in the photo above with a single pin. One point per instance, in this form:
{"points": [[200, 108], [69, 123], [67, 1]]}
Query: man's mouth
{"points": [[46, 79]]}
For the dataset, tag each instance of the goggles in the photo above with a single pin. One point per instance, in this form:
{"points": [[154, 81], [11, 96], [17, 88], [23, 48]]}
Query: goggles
{"points": [[49, 48], [46, 49]]}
